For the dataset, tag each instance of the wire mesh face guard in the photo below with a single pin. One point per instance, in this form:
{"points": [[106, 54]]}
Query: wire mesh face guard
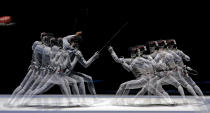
{"points": [[153, 45], [133, 52], [76, 40], [46, 40], [140, 49], [171, 43], [162, 43], [60, 42], [52, 41]]}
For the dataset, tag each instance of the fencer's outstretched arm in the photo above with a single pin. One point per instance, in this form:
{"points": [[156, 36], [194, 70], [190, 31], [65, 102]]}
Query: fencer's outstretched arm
{"points": [[126, 63], [116, 58], [82, 60], [182, 55], [113, 54]]}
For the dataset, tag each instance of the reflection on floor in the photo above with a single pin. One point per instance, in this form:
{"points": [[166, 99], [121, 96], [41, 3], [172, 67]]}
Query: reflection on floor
{"points": [[106, 103]]}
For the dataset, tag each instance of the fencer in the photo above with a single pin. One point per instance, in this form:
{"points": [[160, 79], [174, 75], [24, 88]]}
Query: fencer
{"points": [[154, 66], [177, 71], [69, 70], [53, 77], [71, 44], [47, 69], [150, 87], [65, 68], [139, 68], [182, 68], [59, 61], [167, 74], [158, 68], [33, 68], [176, 74]]}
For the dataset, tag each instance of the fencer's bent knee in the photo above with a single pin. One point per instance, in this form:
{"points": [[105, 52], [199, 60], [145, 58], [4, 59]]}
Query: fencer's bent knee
{"points": [[73, 82], [123, 85], [81, 80]]}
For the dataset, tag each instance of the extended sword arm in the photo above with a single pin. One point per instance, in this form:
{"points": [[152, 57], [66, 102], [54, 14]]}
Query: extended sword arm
{"points": [[82, 60], [114, 55]]}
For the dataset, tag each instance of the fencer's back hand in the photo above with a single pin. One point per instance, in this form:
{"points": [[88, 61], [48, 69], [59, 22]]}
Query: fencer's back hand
{"points": [[110, 49]]}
